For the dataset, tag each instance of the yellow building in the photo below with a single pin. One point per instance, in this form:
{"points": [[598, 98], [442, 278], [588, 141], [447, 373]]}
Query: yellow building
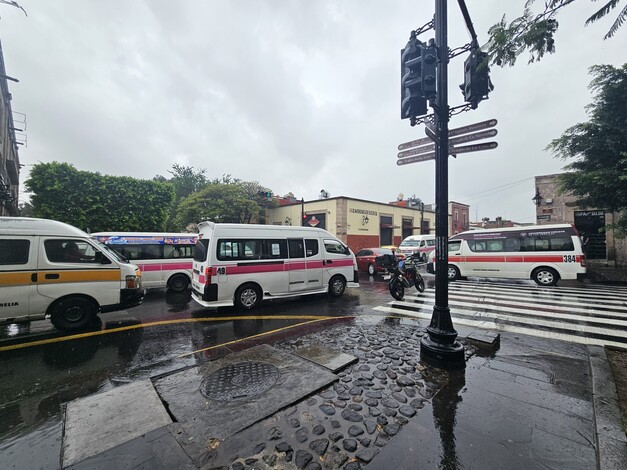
{"points": [[357, 222]]}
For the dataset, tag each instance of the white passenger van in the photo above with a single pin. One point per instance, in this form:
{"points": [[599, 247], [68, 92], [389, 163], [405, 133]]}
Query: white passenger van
{"points": [[165, 259], [544, 253], [239, 264], [48, 268], [423, 244]]}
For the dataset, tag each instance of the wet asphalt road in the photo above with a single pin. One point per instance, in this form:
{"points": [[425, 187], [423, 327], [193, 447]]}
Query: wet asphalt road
{"points": [[42, 368]]}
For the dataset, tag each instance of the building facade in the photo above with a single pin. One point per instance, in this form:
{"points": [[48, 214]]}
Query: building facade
{"points": [[460, 214], [601, 244], [357, 222], [9, 160]]}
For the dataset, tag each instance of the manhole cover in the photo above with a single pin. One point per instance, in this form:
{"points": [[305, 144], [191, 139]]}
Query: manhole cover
{"points": [[239, 381]]}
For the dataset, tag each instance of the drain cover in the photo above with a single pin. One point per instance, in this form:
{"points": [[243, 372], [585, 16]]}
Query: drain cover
{"points": [[240, 381]]}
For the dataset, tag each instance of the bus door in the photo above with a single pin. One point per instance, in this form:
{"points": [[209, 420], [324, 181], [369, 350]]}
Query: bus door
{"points": [[296, 265]]}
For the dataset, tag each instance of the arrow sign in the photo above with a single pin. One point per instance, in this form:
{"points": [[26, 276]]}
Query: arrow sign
{"points": [[418, 151], [472, 148], [414, 143], [472, 127], [471, 137], [419, 158]]}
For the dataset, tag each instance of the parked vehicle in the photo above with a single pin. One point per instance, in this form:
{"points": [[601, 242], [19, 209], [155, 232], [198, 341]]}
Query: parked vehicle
{"points": [[51, 269], [402, 274], [544, 253], [165, 259], [240, 264], [367, 259], [422, 244]]}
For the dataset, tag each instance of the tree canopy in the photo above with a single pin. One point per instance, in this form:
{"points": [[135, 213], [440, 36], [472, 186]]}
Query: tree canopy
{"points": [[598, 176], [97, 202], [535, 32]]}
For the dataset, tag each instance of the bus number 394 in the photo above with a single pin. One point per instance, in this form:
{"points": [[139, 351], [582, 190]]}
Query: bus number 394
{"points": [[570, 258]]}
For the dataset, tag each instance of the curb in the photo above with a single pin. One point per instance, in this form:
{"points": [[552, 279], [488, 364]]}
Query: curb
{"points": [[610, 437]]}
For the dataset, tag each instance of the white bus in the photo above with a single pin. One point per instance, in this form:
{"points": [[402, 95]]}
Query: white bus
{"points": [[238, 264], [544, 253], [165, 259]]}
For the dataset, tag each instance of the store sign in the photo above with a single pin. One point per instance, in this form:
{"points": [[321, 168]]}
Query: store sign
{"points": [[363, 212], [543, 217]]}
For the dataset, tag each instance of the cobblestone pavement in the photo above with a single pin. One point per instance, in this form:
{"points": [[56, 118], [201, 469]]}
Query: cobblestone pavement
{"points": [[345, 425]]}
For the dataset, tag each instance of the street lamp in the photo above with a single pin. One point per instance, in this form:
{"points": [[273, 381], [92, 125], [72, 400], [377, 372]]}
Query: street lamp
{"points": [[537, 199], [365, 220]]}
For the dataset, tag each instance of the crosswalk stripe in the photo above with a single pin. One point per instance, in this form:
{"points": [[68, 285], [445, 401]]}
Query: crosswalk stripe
{"points": [[585, 316], [511, 329]]}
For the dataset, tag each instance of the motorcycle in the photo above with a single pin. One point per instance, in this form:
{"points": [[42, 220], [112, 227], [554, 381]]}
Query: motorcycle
{"points": [[403, 274]]}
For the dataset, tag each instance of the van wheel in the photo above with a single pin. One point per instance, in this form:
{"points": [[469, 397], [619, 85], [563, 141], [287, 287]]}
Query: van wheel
{"points": [[337, 286], [453, 273], [545, 276], [178, 283], [247, 297], [73, 313], [371, 269]]}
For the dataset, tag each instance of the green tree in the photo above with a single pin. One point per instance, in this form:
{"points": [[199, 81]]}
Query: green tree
{"points": [[216, 202], [98, 202], [535, 31], [185, 180], [598, 176]]}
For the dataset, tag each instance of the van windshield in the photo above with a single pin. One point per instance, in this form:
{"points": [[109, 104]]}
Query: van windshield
{"points": [[111, 252]]}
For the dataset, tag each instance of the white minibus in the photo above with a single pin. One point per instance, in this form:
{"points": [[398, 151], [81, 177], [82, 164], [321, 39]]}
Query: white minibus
{"points": [[423, 244], [544, 253], [165, 259], [241, 265], [51, 269]]}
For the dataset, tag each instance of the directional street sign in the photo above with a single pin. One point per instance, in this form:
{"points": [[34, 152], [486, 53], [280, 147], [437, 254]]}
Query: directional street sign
{"points": [[471, 137], [414, 143], [419, 158], [472, 127], [417, 151], [472, 148]]}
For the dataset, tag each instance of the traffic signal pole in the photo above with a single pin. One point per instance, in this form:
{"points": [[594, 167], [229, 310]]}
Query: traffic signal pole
{"points": [[439, 346]]}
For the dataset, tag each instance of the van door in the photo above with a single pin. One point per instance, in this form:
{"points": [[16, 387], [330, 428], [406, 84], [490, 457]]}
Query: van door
{"points": [[313, 257], [337, 260], [296, 265], [68, 266], [18, 270]]}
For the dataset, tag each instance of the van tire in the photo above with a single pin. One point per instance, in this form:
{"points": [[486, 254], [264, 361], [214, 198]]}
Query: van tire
{"points": [[371, 269], [545, 276], [178, 283], [337, 285], [247, 296], [453, 273], [73, 313]]}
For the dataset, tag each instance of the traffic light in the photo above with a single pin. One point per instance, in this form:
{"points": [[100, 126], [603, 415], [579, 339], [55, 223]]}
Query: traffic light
{"points": [[265, 193], [428, 72], [477, 84], [413, 102]]}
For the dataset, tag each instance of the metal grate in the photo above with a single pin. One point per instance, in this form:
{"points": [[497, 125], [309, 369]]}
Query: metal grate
{"points": [[240, 381]]}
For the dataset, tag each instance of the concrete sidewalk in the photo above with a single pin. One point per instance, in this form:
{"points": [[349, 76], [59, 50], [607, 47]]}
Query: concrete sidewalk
{"points": [[534, 403]]}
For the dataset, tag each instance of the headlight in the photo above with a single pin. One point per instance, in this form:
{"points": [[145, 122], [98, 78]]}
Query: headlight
{"points": [[133, 282]]}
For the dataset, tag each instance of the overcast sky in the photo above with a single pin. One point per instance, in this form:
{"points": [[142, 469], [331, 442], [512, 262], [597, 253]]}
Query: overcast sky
{"points": [[298, 95]]}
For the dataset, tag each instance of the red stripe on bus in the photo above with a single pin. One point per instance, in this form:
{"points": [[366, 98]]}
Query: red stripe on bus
{"points": [[511, 259]]}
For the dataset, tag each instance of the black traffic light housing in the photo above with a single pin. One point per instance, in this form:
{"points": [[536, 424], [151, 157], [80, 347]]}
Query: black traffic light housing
{"points": [[413, 102], [265, 193], [428, 70], [477, 84]]}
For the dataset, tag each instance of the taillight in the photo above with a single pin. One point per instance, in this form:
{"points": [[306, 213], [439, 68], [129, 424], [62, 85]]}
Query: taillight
{"points": [[207, 275], [583, 261]]}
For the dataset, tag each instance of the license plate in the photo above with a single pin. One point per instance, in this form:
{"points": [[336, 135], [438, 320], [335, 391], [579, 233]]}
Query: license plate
{"points": [[387, 277]]}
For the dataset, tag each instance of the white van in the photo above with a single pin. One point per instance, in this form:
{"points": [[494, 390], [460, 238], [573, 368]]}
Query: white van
{"points": [[239, 264], [165, 259], [423, 244], [48, 268], [544, 253]]}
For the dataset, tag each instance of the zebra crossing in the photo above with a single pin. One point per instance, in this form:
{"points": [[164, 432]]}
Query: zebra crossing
{"points": [[586, 314]]}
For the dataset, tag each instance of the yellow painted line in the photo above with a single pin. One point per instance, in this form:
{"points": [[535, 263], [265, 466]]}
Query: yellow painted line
{"points": [[159, 323], [266, 333]]}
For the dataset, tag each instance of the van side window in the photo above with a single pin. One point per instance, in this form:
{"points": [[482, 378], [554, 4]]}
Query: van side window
{"points": [[512, 245], [333, 246], [495, 245], [200, 250], [311, 247], [430, 242], [274, 249], [14, 251], [454, 245], [562, 244], [69, 251], [475, 245], [297, 248]]}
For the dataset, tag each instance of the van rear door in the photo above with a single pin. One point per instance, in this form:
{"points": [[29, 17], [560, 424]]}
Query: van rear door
{"points": [[18, 273]]}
